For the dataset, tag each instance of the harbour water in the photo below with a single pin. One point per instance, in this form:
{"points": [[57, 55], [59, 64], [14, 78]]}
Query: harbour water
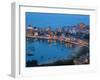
{"points": [[46, 52]]}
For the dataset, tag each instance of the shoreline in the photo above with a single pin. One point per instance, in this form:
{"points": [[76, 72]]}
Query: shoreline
{"points": [[66, 40]]}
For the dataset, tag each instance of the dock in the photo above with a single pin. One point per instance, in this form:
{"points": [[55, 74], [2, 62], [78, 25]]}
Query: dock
{"points": [[68, 40]]}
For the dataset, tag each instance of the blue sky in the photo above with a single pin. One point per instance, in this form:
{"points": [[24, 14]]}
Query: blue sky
{"points": [[54, 20]]}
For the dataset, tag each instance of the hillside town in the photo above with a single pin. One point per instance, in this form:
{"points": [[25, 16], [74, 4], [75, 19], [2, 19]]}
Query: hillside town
{"points": [[76, 34]]}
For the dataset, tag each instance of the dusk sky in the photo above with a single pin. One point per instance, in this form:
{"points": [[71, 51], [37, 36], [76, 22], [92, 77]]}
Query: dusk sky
{"points": [[54, 20]]}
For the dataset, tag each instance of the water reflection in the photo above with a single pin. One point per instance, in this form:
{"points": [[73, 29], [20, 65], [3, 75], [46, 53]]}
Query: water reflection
{"points": [[69, 45], [45, 52]]}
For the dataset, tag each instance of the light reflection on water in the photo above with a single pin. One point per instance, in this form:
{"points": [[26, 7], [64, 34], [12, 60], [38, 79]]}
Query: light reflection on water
{"points": [[47, 52]]}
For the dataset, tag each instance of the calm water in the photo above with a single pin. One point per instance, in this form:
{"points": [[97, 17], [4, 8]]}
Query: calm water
{"points": [[45, 52]]}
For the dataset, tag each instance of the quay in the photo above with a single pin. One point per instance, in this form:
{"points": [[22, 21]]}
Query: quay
{"points": [[66, 40]]}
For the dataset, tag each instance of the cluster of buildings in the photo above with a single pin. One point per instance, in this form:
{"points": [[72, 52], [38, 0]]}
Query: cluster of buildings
{"points": [[79, 31]]}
